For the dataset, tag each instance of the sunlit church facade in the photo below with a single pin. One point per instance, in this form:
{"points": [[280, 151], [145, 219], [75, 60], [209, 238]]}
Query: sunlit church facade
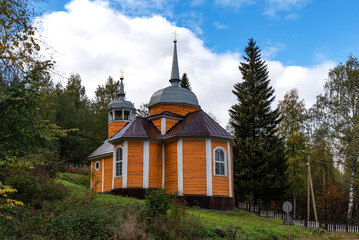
{"points": [[178, 147]]}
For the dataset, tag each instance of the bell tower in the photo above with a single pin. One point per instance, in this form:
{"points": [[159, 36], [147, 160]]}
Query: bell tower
{"points": [[120, 111]]}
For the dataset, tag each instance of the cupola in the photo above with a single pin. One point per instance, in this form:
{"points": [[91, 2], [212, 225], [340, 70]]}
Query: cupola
{"points": [[120, 112], [174, 98]]}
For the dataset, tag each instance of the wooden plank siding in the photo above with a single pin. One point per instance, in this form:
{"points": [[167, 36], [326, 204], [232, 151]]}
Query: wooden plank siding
{"points": [[115, 127], [117, 180], [179, 109], [108, 171], [157, 123], [171, 180], [135, 164], [194, 167], [220, 185], [97, 176], [170, 123], [155, 166]]}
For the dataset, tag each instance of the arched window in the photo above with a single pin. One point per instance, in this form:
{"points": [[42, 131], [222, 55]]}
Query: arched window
{"points": [[119, 158], [220, 162]]}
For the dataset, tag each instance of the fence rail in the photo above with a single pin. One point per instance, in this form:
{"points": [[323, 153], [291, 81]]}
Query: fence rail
{"points": [[302, 223]]}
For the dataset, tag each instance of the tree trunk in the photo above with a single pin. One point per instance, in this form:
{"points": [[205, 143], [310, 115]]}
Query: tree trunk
{"points": [[351, 194], [294, 206]]}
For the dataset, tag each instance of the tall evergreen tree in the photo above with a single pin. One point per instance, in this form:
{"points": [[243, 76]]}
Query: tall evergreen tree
{"points": [[259, 155], [185, 82]]}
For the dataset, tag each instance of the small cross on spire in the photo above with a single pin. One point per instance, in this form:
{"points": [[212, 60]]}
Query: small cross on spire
{"points": [[122, 72], [175, 33]]}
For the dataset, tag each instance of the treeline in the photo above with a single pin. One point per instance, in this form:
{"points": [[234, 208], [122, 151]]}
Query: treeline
{"points": [[50, 125], [274, 147]]}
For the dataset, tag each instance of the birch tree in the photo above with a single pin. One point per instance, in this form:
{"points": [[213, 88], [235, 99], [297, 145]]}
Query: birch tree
{"points": [[339, 111]]}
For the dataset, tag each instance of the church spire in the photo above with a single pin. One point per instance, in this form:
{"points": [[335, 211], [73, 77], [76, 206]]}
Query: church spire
{"points": [[175, 79], [122, 94]]}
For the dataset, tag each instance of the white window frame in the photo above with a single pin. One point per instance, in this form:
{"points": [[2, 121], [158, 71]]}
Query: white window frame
{"points": [[118, 161], [99, 165], [214, 162]]}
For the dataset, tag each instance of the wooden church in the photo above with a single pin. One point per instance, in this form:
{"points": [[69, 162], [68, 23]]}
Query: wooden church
{"points": [[178, 147]]}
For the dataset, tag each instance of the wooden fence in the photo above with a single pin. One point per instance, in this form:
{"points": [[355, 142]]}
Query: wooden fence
{"points": [[302, 223]]}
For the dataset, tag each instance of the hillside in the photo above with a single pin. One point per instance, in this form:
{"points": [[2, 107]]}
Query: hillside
{"points": [[83, 214]]}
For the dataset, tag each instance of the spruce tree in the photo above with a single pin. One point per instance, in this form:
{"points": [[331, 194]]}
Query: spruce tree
{"points": [[259, 155], [185, 82]]}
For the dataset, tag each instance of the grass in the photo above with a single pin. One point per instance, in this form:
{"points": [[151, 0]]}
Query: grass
{"points": [[246, 225]]}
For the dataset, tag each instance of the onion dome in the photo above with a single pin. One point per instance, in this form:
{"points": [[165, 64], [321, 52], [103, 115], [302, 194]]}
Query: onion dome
{"points": [[174, 94]]}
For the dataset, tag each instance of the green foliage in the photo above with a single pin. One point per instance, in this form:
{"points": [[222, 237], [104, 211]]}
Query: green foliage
{"points": [[337, 112], [82, 223], [31, 191], [104, 94], [292, 130], [143, 110], [185, 82], [259, 155], [157, 203]]}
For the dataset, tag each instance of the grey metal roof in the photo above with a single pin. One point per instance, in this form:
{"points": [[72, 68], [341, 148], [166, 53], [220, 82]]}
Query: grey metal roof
{"points": [[120, 104], [175, 71], [174, 95], [104, 149]]}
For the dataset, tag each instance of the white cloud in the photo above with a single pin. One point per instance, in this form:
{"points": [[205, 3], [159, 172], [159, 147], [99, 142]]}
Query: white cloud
{"points": [[233, 3], [271, 51], [274, 6], [220, 26], [308, 81], [94, 40]]}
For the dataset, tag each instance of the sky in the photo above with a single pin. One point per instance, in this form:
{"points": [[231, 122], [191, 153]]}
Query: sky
{"points": [[301, 40]]}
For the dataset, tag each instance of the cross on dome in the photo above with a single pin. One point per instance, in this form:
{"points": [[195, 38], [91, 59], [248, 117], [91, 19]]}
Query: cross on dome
{"points": [[175, 33], [122, 72]]}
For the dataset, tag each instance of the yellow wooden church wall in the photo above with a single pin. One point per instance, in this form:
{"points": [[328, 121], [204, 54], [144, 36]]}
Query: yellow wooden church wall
{"points": [[96, 176], [155, 166], [220, 185], [171, 179], [194, 167], [118, 180], [157, 123], [179, 109], [170, 123], [108, 171], [135, 164], [115, 127]]}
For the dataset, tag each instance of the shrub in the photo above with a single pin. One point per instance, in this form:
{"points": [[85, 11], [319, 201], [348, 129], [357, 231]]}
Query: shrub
{"points": [[26, 185], [81, 223], [178, 224], [157, 203]]}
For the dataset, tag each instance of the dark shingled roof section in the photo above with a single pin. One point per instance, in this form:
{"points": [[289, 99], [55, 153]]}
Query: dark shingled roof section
{"points": [[197, 124], [138, 128], [104, 149]]}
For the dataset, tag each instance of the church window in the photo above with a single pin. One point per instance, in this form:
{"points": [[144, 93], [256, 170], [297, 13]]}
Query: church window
{"points": [[118, 115], [126, 114], [97, 165], [119, 158], [219, 162]]}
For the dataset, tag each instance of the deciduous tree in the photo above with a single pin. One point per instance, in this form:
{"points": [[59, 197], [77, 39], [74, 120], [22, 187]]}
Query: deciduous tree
{"points": [[338, 109]]}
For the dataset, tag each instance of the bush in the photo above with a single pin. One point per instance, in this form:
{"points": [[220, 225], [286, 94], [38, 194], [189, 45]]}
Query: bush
{"points": [[178, 224], [26, 185], [81, 223], [157, 203]]}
